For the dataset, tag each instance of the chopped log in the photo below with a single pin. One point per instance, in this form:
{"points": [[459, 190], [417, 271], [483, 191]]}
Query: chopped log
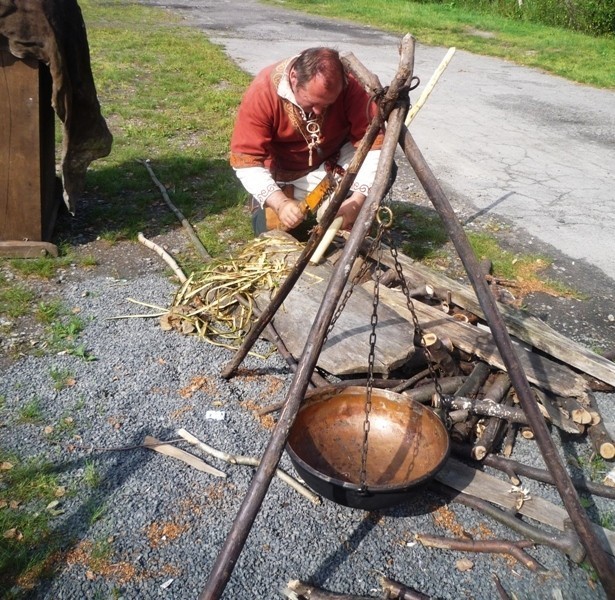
{"points": [[578, 413], [558, 417], [439, 354], [510, 436], [598, 433], [493, 426], [539, 370], [519, 323], [190, 459], [527, 433], [514, 549]]}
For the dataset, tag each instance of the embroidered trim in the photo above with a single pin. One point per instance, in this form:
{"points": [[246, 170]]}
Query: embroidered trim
{"points": [[264, 194]]}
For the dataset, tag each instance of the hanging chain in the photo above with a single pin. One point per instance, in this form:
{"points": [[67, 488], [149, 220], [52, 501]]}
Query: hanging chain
{"points": [[419, 339], [355, 281], [382, 226]]}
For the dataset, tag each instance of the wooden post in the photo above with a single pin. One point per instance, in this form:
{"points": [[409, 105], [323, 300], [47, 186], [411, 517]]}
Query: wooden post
{"points": [[28, 203]]}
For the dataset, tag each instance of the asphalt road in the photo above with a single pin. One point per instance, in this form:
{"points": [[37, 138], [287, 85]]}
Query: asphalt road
{"points": [[504, 140]]}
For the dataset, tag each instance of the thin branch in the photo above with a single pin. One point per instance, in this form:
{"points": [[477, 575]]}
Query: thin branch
{"points": [[237, 459], [164, 255], [515, 549], [189, 229]]}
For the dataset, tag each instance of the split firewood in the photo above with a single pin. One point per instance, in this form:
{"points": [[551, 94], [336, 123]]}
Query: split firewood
{"points": [[299, 590], [411, 381], [578, 413], [425, 393], [475, 380], [598, 434], [394, 590], [566, 542], [470, 387], [493, 425], [439, 354], [237, 459], [553, 413], [514, 549], [190, 459], [510, 436]]}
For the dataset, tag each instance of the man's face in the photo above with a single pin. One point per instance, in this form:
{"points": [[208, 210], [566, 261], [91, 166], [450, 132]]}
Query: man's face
{"points": [[314, 97]]}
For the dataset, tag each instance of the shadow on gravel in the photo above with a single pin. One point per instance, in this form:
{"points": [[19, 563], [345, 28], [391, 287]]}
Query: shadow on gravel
{"points": [[116, 467]]}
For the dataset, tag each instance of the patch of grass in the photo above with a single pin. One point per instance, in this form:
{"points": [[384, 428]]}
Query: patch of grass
{"points": [[49, 312], [62, 378], [91, 475], [169, 96], [25, 542], [44, 267], [522, 270], [64, 332], [579, 57], [421, 229], [31, 412], [15, 300]]}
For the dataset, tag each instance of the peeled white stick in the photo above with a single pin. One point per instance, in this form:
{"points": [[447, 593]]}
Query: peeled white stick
{"points": [[326, 240], [430, 86], [164, 255]]}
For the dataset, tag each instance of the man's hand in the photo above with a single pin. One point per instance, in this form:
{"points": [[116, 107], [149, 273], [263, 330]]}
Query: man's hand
{"points": [[350, 208], [288, 210]]}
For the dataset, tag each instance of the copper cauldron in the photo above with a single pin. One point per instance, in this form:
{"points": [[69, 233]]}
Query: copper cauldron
{"points": [[407, 445]]}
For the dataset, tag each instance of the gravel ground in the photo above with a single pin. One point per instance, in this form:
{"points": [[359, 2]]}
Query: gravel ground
{"points": [[164, 523]]}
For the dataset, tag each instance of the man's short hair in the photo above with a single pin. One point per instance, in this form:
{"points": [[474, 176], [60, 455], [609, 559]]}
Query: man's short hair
{"points": [[319, 61]]}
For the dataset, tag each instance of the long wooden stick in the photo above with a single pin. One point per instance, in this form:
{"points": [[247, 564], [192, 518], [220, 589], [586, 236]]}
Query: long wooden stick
{"points": [[185, 223], [600, 560], [515, 549], [429, 87]]}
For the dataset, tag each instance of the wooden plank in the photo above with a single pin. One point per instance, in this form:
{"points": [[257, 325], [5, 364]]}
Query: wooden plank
{"points": [[27, 249], [346, 350], [539, 370], [28, 204], [466, 479], [519, 323]]}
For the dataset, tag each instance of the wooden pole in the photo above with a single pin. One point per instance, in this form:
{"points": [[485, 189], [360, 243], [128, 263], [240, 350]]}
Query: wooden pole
{"points": [[225, 562]]}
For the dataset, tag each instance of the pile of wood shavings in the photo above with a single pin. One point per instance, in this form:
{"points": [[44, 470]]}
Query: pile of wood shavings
{"points": [[217, 303]]}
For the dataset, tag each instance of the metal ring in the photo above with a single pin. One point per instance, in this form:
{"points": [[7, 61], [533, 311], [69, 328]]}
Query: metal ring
{"points": [[313, 127], [389, 216]]}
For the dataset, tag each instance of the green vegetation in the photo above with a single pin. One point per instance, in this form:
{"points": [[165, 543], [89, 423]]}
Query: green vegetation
{"points": [[26, 546], [62, 378], [15, 300], [474, 25], [31, 412]]}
